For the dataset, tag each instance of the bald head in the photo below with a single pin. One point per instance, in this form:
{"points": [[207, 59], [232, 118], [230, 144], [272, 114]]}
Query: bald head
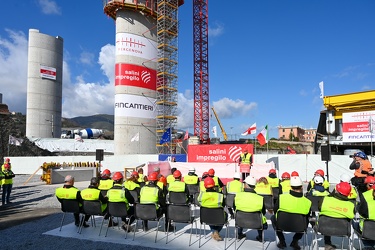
{"points": [[69, 180]]}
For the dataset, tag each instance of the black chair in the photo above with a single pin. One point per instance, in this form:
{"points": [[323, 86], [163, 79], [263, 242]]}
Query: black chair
{"points": [[294, 223], [69, 206], [368, 232], [215, 217], [275, 192], [314, 202], [118, 209], [147, 212], [104, 192], [135, 194], [250, 220], [229, 200], [177, 198], [268, 201], [92, 208], [329, 226], [180, 214], [193, 193]]}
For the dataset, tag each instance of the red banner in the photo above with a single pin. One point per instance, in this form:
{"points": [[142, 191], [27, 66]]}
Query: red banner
{"points": [[223, 153], [135, 75]]}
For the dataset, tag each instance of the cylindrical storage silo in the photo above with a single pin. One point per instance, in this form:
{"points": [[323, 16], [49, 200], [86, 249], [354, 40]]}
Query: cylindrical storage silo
{"points": [[44, 85]]}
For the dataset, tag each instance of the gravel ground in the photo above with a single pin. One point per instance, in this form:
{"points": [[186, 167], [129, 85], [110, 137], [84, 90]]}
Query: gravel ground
{"points": [[35, 210]]}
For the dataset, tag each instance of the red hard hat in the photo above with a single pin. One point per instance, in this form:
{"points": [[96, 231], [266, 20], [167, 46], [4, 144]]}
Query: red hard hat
{"points": [[344, 188], [106, 172], [211, 172], [209, 182], [295, 173], [153, 176], [205, 174], [285, 175], [177, 174], [135, 174], [163, 180], [117, 176], [7, 160], [370, 179], [6, 166], [320, 172], [272, 171]]}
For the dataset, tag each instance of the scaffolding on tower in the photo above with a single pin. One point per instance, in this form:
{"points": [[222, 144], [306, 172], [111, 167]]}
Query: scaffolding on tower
{"points": [[201, 86], [166, 84]]}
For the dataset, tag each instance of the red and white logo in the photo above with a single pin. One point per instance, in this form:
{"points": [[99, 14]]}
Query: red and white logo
{"points": [[134, 45], [222, 153], [135, 75]]}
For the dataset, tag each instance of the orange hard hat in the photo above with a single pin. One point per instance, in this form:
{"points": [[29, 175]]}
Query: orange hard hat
{"points": [[344, 188], [106, 172], [295, 173], [177, 174], [135, 174], [117, 176], [211, 172], [153, 176], [285, 175], [209, 182], [319, 172]]}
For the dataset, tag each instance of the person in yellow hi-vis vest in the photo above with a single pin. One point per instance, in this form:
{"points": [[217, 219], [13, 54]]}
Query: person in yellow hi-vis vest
{"points": [[337, 205], [285, 183], [170, 177], [212, 199], [241, 203], [142, 179], [353, 193], [7, 183], [234, 187], [247, 159], [105, 181], [201, 183], [218, 183], [292, 202], [263, 187]]}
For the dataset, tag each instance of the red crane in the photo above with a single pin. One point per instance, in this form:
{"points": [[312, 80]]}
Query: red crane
{"points": [[201, 86]]}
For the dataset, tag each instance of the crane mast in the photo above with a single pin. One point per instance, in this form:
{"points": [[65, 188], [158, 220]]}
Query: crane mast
{"points": [[201, 86]]}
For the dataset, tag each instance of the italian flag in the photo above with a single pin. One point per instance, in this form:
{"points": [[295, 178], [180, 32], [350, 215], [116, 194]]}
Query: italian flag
{"points": [[263, 136]]}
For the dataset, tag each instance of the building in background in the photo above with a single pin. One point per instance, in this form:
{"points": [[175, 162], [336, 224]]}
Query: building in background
{"points": [[44, 85], [296, 133]]}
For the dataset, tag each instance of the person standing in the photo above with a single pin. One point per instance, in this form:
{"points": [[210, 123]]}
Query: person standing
{"points": [[118, 194], [245, 158], [70, 192], [241, 203], [336, 205], [292, 202], [212, 199], [7, 184]]}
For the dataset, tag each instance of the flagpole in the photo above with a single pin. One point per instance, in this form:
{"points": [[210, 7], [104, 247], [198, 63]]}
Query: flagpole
{"points": [[371, 131]]}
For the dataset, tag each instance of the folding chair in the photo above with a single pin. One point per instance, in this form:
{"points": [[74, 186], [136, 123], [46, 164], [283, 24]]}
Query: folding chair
{"points": [[92, 208], [180, 214], [229, 200], [315, 202], [268, 201], [215, 217], [275, 192], [147, 212], [193, 192], [118, 209], [368, 232], [69, 206], [250, 220], [177, 198], [135, 194], [291, 222], [329, 226]]}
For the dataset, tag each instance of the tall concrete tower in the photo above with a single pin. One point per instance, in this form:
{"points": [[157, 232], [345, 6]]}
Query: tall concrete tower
{"points": [[44, 85], [142, 110]]}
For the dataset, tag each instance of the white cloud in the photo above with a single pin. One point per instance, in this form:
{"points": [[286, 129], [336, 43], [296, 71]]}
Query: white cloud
{"points": [[185, 110], [107, 61], [227, 108], [86, 58], [13, 70], [216, 29], [49, 7]]}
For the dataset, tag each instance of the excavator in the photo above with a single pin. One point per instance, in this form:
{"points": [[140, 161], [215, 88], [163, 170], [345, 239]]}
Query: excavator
{"points": [[221, 127]]}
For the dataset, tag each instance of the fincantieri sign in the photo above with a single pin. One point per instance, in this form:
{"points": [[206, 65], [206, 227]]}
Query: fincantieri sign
{"points": [[135, 106]]}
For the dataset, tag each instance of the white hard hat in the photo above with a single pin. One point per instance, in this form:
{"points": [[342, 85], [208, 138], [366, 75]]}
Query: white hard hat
{"points": [[345, 178], [318, 179], [192, 169], [295, 181], [251, 180], [237, 175]]}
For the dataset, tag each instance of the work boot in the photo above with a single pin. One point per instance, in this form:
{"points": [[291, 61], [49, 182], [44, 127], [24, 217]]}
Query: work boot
{"points": [[127, 228], [295, 245], [329, 246], [281, 244], [171, 228], [216, 236], [241, 236], [145, 225], [259, 238]]}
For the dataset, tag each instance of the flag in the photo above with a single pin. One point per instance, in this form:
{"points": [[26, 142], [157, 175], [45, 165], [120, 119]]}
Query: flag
{"points": [[371, 125], [166, 137], [15, 141], [214, 131], [186, 135], [250, 131], [78, 138], [321, 86], [263, 136], [135, 137], [290, 150]]}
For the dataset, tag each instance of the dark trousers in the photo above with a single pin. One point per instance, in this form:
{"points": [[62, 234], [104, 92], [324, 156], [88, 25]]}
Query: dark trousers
{"points": [[130, 215], [280, 235], [7, 189]]}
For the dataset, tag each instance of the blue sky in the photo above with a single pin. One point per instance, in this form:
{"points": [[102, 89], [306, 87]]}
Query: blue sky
{"points": [[266, 57]]}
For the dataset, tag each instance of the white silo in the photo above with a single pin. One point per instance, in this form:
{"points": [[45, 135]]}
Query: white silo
{"points": [[44, 85]]}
